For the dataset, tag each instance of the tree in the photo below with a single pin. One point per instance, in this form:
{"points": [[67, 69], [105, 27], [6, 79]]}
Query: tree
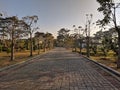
{"points": [[106, 40], [39, 36], [108, 8], [2, 30], [75, 37], [20, 45], [105, 43], [113, 40], [14, 29], [78, 37], [31, 21], [49, 40], [45, 39], [76, 41], [62, 35]]}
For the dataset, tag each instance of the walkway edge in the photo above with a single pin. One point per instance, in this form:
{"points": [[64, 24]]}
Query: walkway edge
{"points": [[22, 62], [111, 71]]}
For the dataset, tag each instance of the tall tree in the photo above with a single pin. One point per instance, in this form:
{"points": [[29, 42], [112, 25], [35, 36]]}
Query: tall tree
{"points": [[39, 36], [49, 40], [108, 8], [14, 29], [31, 21], [62, 35], [76, 36]]}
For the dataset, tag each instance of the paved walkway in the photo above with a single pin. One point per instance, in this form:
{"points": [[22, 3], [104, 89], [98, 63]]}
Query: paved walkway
{"points": [[57, 70]]}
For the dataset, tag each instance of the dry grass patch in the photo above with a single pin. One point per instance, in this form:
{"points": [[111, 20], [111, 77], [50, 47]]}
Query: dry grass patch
{"points": [[19, 57], [108, 61]]}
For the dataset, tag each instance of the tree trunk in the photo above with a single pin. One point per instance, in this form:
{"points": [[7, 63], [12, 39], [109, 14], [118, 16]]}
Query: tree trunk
{"points": [[88, 47], [31, 45], [12, 49], [118, 61], [44, 49], [76, 45], [38, 49], [45, 46], [80, 46], [117, 29]]}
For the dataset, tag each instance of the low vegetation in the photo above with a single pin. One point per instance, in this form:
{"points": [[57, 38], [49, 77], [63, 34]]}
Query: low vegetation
{"points": [[19, 57]]}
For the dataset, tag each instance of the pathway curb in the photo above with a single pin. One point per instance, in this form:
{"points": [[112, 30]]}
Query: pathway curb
{"points": [[14, 65], [111, 71]]}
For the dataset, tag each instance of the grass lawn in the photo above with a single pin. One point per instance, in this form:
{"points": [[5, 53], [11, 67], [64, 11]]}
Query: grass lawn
{"points": [[19, 57]]}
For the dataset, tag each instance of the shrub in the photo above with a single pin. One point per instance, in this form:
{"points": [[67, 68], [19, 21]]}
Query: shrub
{"points": [[8, 50], [0, 48]]}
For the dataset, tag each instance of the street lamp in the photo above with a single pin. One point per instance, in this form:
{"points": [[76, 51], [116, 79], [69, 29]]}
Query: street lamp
{"points": [[75, 44], [80, 38], [88, 23]]}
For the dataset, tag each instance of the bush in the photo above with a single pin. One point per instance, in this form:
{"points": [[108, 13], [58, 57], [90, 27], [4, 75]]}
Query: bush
{"points": [[83, 53], [0, 48], [8, 50], [4, 49]]}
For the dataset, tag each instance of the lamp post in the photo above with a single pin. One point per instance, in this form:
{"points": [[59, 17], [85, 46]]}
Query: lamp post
{"points": [[88, 30], [75, 44], [80, 39]]}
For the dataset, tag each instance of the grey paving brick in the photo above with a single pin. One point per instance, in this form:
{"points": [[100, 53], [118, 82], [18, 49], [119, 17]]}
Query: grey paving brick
{"points": [[57, 70]]}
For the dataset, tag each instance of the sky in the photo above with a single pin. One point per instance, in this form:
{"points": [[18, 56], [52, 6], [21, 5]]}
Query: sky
{"points": [[53, 14]]}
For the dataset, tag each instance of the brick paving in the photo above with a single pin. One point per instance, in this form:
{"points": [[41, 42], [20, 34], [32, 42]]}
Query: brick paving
{"points": [[57, 70]]}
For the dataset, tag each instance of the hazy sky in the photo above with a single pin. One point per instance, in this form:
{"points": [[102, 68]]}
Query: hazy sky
{"points": [[53, 14]]}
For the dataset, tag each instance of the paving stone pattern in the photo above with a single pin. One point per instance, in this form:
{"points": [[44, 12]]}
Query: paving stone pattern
{"points": [[57, 70]]}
